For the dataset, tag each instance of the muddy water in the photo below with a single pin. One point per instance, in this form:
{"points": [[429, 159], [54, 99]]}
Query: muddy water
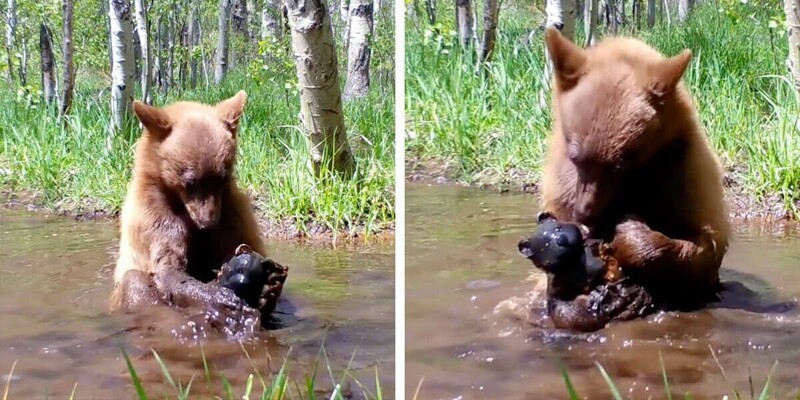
{"points": [[55, 277], [461, 260]]}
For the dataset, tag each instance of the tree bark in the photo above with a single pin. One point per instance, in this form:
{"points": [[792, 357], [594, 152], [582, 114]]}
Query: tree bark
{"points": [[359, 51], [69, 62], [620, 14], [122, 67], [11, 26], [239, 16], [47, 61], [430, 9], [144, 43], [221, 67], [194, 40], [490, 18], [589, 21], [170, 69], [651, 13], [683, 10], [317, 73], [464, 21], [792, 9], [270, 19], [561, 15]]}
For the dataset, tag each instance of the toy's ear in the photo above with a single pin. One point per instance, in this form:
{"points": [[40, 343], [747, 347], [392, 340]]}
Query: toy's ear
{"points": [[243, 249], [545, 216]]}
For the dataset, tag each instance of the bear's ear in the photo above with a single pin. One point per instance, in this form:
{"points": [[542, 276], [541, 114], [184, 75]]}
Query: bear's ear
{"points": [[230, 110], [568, 59], [666, 74], [155, 120]]}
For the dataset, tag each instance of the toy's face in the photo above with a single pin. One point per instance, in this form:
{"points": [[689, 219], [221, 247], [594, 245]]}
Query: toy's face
{"points": [[244, 274], [554, 245]]}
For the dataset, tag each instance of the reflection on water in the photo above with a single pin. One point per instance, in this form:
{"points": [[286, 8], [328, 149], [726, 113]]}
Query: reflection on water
{"points": [[55, 278], [461, 261]]}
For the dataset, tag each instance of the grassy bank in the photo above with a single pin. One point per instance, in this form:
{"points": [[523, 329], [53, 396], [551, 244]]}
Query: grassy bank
{"points": [[491, 131], [77, 166]]}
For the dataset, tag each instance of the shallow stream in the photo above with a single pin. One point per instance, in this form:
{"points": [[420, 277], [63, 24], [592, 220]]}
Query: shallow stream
{"points": [[55, 278], [462, 260]]}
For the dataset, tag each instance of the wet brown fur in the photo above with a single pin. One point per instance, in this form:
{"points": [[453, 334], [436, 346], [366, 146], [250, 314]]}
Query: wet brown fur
{"points": [[183, 215], [629, 159]]}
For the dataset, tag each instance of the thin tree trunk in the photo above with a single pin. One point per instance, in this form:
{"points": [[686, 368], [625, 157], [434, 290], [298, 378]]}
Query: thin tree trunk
{"points": [[651, 13], [170, 69], [203, 58], [637, 14], [792, 9], [144, 43], [683, 10], [490, 18], [464, 21], [194, 36], [221, 67], [47, 61], [665, 9], [11, 26], [239, 16], [69, 63], [359, 50], [317, 74], [122, 68], [590, 21], [23, 65], [561, 15], [159, 59], [430, 8], [620, 14], [271, 19], [347, 22]]}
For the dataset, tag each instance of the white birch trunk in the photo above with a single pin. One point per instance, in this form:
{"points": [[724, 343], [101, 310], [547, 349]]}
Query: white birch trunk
{"points": [[314, 53], [271, 19], [11, 26], [122, 65], [47, 62], [490, 18], [194, 40], [464, 21], [223, 45], [561, 15], [589, 21], [144, 43], [65, 102], [683, 10], [359, 51], [792, 9]]}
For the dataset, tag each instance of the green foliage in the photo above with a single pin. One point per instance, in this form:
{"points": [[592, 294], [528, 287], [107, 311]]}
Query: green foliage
{"points": [[73, 162], [495, 130]]}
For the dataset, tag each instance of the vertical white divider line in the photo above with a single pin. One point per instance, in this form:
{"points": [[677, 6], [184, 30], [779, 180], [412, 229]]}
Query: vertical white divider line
{"points": [[400, 202]]}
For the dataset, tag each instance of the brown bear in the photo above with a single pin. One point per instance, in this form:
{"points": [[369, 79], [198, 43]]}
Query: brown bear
{"points": [[183, 216], [629, 160]]}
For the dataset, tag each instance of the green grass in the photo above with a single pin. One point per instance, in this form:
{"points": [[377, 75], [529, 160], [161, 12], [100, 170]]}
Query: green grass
{"points": [[75, 164], [495, 130], [271, 386], [764, 394]]}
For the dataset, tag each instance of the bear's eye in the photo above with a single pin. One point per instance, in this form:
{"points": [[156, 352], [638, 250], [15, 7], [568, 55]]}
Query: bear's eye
{"points": [[188, 179]]}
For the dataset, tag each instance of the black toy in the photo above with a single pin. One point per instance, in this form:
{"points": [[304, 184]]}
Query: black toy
{"points": [[255, 279]]}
